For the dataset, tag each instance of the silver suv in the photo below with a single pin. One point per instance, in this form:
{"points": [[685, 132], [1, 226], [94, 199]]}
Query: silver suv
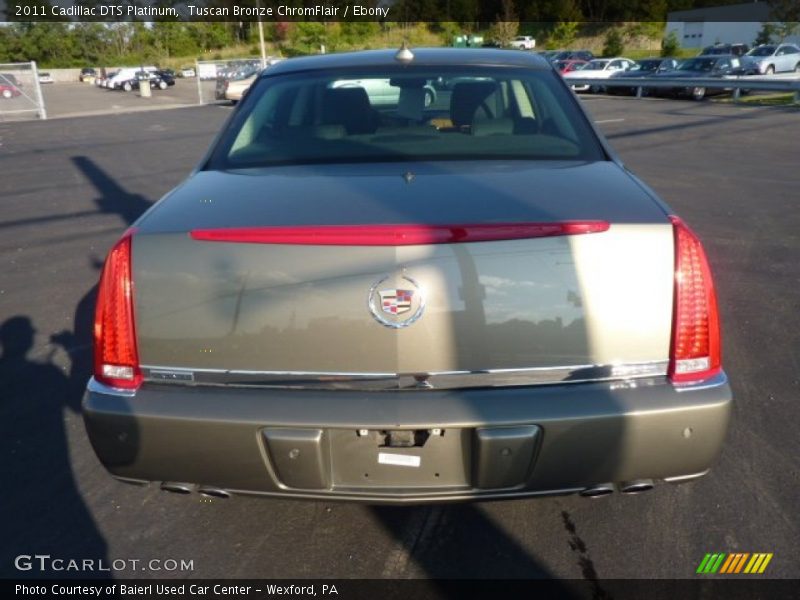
{"points": [[772, 58]]}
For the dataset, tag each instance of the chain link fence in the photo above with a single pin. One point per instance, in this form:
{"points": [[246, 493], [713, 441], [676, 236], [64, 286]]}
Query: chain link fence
{"points": [[20, 92]]}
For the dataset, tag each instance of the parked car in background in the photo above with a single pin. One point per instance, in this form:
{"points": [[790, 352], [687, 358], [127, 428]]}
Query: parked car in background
{"points": [[488, 305], [102, 80], [725, 49], [586, 55], [599, 69], [234, 90], [45, 77], [383, 92], [164, 78], [155, 79], [571, 64], [8, 89], [188, 72], [549, 54], [10, 80], [87, 74], [523, 42], [644, 68], [128, 79], [705, 67], [772, 58]]}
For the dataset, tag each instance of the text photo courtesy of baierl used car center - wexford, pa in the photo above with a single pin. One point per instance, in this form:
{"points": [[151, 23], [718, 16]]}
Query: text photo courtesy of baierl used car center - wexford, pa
{"points": [[400, 298]]}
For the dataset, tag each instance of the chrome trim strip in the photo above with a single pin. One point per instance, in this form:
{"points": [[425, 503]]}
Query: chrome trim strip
{"points": [[96, 387], [682, 478], [392, 381], [716, 381]]}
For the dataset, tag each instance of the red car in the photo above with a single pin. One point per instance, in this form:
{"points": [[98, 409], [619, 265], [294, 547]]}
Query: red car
{"points": [[9, 86], [8, 91], [570, 64]]}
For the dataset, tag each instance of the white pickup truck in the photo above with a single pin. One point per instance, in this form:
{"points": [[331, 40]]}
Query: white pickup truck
{"points": [[523, 42]]}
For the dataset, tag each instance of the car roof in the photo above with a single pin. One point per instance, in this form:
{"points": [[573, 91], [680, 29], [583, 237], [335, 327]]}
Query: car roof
{"points": [[422, 56]]}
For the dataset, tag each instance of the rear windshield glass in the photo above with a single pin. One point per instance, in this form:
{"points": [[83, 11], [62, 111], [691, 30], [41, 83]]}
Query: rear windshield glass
{"points": [[406, 114], [698, 64]]}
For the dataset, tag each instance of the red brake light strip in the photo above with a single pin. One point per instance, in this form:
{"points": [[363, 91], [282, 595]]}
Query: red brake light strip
{"points": [[395, 235]]}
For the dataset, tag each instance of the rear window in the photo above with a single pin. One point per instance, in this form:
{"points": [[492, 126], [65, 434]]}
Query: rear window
{"points": [[406, 114]]}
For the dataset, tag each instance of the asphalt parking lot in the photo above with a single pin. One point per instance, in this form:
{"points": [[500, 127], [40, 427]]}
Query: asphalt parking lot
{"points": [[69, 187]]}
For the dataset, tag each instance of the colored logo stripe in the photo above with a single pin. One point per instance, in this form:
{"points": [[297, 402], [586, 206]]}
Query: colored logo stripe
{"points": [[758, 563], [711, 563], [720, 562], [734, 563]]}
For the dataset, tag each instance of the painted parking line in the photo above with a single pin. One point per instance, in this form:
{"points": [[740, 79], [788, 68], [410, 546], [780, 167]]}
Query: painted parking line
{"points": [[609, 121]]}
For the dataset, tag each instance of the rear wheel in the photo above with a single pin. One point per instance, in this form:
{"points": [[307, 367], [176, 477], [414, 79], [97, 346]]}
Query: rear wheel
{"points": [[797, 68], [127, 86], [428, 98], [770, 70], [698, 93], [594, 89], [162, 85]]}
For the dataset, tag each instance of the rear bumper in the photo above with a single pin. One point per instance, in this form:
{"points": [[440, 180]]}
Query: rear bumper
{"points": [[494, 443]]}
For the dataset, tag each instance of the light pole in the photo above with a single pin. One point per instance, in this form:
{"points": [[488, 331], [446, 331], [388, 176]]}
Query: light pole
{"points": [[261, 36]]}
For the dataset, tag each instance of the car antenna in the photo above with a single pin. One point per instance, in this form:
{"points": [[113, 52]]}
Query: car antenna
{"points": [[404, 55]]}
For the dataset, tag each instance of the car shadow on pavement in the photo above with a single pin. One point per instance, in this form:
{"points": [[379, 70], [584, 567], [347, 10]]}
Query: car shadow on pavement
{"points": [[459, 541]]}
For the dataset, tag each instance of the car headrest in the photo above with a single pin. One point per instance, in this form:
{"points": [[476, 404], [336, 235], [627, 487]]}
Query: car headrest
{"points": [[470, 96], [411, 104], [349, 107]]}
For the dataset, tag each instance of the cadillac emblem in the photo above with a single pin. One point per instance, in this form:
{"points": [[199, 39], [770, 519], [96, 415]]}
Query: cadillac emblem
{"points": [[399, 304]]}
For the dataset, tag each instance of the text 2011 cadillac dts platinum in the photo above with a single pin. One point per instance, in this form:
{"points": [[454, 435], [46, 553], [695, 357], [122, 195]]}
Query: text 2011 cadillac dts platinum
{"points": [[409, 302]]}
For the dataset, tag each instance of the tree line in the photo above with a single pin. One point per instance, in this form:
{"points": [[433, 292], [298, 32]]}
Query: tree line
{"points": [[59, 43]]}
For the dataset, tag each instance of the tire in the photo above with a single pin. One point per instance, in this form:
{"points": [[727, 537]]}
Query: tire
{"points": [[770, 70], [7, 94], [797, 68], [127, 86], [698, 93], [428, 98], [162, 85], [594, 89]]}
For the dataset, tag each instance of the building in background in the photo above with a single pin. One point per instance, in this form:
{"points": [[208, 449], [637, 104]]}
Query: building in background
{"points": [[735, 23]]}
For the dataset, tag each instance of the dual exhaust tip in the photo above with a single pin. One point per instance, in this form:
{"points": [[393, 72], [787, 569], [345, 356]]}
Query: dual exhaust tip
{"points": [[636, 486], [189, 488]]}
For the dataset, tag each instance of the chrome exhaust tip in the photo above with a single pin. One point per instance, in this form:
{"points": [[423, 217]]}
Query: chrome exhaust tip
{"points": [[177, 488], [213, 492], [637, 486], [597, 491]]}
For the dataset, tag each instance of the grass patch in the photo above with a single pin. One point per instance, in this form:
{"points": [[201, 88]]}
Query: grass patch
{"points": [[780, 99]]}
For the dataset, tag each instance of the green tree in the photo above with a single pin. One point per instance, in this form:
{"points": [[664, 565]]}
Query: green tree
{"points": [[563, 34], [765, 34], [670, 44], [506, 25], [308, 36], [613, 45]]}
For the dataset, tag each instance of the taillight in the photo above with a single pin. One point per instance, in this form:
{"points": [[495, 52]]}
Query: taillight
{"points": [[116, 358], [695, 352]]}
